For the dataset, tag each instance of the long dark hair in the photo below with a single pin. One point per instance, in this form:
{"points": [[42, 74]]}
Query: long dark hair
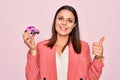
{"points": [[73, 36]]}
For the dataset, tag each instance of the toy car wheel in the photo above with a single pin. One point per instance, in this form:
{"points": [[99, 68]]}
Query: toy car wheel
{"points": [[32, 32]]}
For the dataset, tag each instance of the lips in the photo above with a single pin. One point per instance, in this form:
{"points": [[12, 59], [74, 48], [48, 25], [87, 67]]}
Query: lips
{"points": [[63, 28]]}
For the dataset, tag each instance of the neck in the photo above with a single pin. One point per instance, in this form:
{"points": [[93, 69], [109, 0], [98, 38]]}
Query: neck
{"points": [[62, 40]]}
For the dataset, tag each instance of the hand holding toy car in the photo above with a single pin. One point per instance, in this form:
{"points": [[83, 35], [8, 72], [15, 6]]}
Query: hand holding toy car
{"points": [[28, 37]]}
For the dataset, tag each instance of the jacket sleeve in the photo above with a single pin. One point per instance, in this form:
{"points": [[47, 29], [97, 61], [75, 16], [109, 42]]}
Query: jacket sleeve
{"points": [[32, 67], [94, 69]]}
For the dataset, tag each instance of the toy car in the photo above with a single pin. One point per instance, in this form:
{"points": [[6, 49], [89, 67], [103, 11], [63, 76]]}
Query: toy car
{"points": [[32, 30]]}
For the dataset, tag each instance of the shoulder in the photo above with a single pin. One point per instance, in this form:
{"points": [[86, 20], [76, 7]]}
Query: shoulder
{"points": [[84, 45], [42, 43]]}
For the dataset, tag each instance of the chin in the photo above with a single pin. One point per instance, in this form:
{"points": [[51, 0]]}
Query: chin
{"points": [[63, 34]]}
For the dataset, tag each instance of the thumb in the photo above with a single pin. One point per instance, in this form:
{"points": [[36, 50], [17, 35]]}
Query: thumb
{"points": [[102, 40]]}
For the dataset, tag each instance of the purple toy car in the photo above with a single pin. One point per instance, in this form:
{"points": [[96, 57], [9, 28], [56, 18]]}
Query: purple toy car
{"points": [[32, 30]]}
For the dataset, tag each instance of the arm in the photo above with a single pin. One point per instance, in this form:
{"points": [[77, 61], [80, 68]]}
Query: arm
{"points": [[95, 67], [94, 70], [32, 68]]}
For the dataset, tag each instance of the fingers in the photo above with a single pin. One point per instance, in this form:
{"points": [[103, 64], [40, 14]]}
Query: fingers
{"points": [[29, 39], [97, 47], [32, 39], [97, 50], [26, 36]]}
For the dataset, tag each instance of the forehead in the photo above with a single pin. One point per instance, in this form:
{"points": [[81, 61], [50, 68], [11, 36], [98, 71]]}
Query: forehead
{"points": [[66, 14]]}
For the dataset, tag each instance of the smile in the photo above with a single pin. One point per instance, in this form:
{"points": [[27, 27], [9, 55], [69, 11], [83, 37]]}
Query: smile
{"points": [[63, 28]]}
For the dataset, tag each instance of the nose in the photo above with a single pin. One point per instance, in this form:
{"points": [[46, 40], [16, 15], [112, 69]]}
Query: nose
{"points": [[64, 22]]}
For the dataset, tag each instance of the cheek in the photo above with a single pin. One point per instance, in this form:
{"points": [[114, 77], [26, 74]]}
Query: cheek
{"points": [[57, 22], [71, 27], [57, 26]]}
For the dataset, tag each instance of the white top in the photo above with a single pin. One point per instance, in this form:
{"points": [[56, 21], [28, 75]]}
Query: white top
{"points": [[62, 64]]}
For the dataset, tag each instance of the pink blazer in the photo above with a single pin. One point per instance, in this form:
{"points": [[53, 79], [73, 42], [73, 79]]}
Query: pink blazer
{"points": [[43, 65]]}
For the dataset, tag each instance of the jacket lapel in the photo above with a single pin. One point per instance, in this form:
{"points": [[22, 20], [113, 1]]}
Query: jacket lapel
{"points": [[72, 63], [52, 64]]}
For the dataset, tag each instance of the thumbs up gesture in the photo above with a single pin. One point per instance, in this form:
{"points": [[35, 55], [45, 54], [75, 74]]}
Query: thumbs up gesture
{"points": [[97, 48]]}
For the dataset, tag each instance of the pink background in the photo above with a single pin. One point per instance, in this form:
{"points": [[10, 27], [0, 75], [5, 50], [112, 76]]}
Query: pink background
{"points": [[97, 18]]}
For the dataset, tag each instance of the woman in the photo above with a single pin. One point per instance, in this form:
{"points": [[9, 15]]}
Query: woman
{"points": [[64, 56]]}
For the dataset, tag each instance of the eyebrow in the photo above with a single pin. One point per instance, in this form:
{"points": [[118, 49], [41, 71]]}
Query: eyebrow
{"points": [[63, 17]]}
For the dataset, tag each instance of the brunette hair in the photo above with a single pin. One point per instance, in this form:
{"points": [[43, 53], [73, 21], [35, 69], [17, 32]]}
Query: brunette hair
{"points": [[73, 36]]}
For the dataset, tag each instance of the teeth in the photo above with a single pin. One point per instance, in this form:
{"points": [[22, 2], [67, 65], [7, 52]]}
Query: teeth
{"points": [[63, 28]]}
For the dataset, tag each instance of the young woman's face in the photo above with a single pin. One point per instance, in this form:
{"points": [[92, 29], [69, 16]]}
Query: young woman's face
{"points": [[65, 22]]}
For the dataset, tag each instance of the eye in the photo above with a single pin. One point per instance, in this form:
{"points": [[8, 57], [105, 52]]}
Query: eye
{"points": [[60, 18], [70, 21]]}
